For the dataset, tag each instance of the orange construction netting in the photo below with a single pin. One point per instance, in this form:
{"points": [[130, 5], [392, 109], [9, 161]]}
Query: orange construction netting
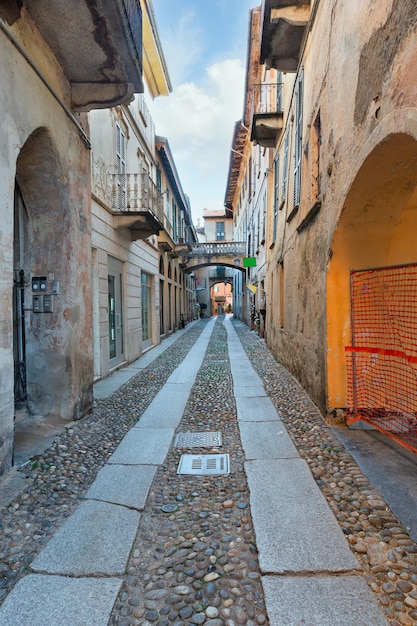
{"points": [[382, 360]]}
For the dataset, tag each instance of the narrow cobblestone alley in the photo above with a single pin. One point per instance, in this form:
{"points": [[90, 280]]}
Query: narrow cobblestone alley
{"points": [[202, 553]]}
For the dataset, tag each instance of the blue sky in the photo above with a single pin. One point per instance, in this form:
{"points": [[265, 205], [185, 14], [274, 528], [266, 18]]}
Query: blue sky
{"points": [[205, 46]]}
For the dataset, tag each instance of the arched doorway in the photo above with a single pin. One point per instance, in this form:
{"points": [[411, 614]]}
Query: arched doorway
{"points": [[376, 230], [52, 337]]}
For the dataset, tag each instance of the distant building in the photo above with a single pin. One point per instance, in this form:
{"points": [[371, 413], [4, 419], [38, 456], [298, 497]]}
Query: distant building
{"points": [[218, 225]]}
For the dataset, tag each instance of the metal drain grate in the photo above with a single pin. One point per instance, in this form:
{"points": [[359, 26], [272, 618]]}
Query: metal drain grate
{"points": [[198, 440], [204, 464]]}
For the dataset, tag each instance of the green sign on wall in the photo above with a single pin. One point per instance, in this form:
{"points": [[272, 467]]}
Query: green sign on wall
{"points": [[249, 261]]}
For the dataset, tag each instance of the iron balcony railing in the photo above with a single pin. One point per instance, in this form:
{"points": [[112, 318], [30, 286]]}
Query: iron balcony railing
{"points": [[220, 248], [267, 98], [136, 193]]}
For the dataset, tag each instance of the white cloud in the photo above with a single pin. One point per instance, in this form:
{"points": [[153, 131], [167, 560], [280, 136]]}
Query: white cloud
{"points": [[198, 120], [182, 36]]}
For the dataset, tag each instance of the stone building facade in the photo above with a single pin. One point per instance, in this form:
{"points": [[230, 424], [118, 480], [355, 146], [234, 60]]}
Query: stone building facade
{"points": [[51, 80], [341, 179]]}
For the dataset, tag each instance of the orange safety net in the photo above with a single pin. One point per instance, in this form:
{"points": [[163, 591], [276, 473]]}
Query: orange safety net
{"points": [[382, 360]]}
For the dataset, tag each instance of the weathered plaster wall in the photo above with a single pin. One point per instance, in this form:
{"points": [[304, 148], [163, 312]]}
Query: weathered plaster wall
{"points": [[42, 146], [135, 257], [106, 241], [360, 74]]}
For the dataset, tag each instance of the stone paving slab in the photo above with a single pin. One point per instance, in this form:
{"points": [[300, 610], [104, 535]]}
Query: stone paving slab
{"points": [[96, 539], [40, 600], [244, 374], [183, 377], [266, 440], [256, 409], [321, 601], [143, 446], [249, 391], [185, 374], [167, 408], [295, 529], [107, 386], [246, 382], [127, 485]]}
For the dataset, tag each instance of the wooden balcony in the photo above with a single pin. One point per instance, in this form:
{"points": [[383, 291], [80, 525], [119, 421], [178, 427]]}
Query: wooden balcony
{"points": [[267, 114], [137, 204], [98, 45], [283, 30]]}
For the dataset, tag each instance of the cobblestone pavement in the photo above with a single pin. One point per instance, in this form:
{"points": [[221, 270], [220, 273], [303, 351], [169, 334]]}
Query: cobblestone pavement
{"points": [[195, 561]]}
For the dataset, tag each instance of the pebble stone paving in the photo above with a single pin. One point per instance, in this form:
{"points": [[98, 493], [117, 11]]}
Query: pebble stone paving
{"points": [[194, 560]]}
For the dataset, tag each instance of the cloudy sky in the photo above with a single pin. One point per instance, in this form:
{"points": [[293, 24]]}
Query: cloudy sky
{"points": [[205, 45]]}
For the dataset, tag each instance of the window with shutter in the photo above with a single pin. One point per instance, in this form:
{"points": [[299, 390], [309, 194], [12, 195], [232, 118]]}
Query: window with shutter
{"points": [[220, 234], [120, 169], [285, 166], [276, 198], [298, 141], [159, 178]]}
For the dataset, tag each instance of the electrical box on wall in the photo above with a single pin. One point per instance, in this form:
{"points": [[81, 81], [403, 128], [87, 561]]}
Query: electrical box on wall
{"points": [[37, 304], [42, 301], [48, 303], [39, 284]]}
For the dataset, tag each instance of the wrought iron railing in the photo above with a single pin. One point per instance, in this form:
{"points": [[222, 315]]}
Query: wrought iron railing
{"points": [[267, 98], [136, 192], [220, 248]]}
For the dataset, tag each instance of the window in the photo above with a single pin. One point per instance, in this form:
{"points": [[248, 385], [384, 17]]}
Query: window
{"points": [[168, 204], [120, 168], [158, 178], [279, 102], [146, 309], [298, 141], [276, 199], [174, 220], [285, 165], [219, 231]]}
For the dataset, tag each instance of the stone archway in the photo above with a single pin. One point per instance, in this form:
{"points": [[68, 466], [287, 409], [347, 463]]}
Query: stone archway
{"points": [[44, 191], [376, 228], [57, 248]]}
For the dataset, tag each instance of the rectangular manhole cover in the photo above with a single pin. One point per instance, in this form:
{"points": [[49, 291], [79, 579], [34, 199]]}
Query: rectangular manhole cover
{"points": [[208, 439], [204, 464]]}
